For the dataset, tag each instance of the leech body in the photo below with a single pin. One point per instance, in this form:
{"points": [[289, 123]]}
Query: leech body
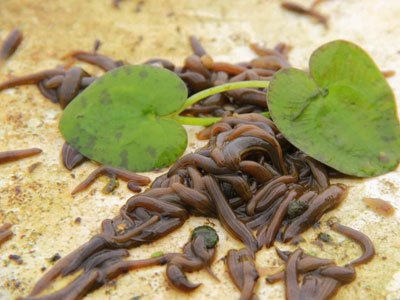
{"points": [[242, 270], [9, 156], [226, 215], [292, 289], [103, 170], [5, 233], [70, 86], [30, 79], [277, 218], [361, 239], [328, 199], [71, 157], [10, 44], [306, 11], [98, 60]]}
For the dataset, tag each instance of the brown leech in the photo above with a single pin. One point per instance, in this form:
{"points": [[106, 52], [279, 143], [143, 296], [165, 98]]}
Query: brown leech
{"points": [[9, 156], [5, 233], [296, 8], [227, 216], [325, 201], [110, 171], [361, 239], [380, 206], [71, 157], [243, 272], [103, 62], [10, 44]]}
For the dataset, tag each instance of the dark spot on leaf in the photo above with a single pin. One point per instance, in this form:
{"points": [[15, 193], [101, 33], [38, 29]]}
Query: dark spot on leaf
{"points": [[105, 98], [118, 135], [151, 151], [143, 74], [124, 158], [84, 102], [75, 140], [91, 141]]}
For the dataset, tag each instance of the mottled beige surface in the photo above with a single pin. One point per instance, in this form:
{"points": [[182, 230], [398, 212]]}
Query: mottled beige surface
{"points": [[40, 205]]}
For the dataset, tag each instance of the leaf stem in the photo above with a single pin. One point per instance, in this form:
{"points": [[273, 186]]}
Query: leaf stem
{"points": [[197, 121], [205, 121], [220, 89]]}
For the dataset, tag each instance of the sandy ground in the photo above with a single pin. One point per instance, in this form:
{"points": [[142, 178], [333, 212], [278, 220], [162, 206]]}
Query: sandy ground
{"points": [[40, 204]]}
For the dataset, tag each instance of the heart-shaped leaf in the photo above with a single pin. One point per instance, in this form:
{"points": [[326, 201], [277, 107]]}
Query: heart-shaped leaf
{"points": [[120, 120], [343, 113]]}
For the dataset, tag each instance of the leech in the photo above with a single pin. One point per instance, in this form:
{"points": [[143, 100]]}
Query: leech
{"points": [[256, 170], [162, 62], [196, 46], [196, 178], [59, 267], [99, 259], [305, 264], [360, 238], [130, 234], [156, 206], [242, 270], [54, 82], [193, 198], [105, 170], [342, 274], [179, 280], [194, 63], [276, 192], [265, 190], [9, 156], [227, 217], [325, 201], [228, 68], [70, 86], [75, 290], [10, 44], [30, 79], [103, 62], [239, 185], [291, 285], [196, 160], [71, 157], [278, 218], [5, 233], [270, 63], [293, 7], [46, 92], [132, 186], [319, 172], [236, 149]]}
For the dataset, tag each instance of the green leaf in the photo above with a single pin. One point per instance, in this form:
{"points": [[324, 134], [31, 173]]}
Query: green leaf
{"points": [[119, 120], [343, 113]]}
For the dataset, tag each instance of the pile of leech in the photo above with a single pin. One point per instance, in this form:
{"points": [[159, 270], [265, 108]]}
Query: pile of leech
{"points": [[248, 176]]}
